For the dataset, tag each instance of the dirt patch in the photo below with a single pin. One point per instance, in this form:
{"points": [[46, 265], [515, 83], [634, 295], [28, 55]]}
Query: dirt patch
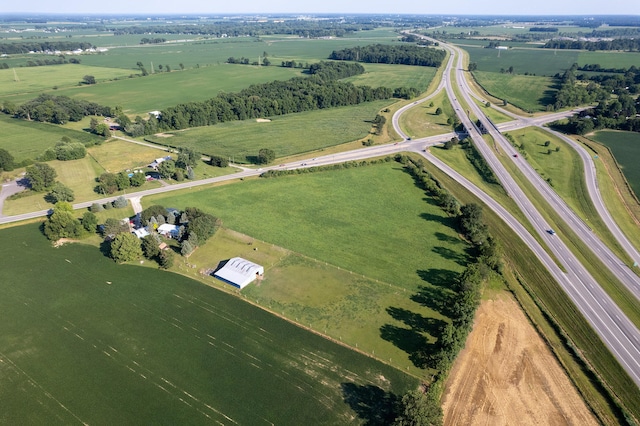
{"points": [[263, 120], [163, 135], [63, 241], [506, 375]]}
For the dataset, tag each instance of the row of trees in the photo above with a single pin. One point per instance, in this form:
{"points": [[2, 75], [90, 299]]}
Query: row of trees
{"points": [[42, 46], [627, 44], [56, 109], [423, 408], [276, 98], [388, 54]]}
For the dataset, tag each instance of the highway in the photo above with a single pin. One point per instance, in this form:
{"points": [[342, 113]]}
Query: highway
{"points": [[615, 329]]}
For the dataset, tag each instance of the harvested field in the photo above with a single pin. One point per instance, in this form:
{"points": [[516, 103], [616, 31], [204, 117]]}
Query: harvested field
{"points": [[507, 375]]}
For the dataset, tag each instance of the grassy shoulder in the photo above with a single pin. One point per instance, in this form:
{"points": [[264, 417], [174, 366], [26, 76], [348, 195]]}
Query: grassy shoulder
{"points": [[588, 362], [618, 196], [561, 166], [423, 120], [620, 295]]}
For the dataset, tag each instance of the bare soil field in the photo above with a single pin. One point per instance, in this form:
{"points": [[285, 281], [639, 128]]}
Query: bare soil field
{"points": [[506, 375]]}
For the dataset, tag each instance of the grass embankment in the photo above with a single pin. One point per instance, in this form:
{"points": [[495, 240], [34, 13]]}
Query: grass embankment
{"points": [[373, 225], [625, 147], [620, 295], [422, 120], [573, 341], [564, 170], [90, 341], [619, 198], [287, 135]]}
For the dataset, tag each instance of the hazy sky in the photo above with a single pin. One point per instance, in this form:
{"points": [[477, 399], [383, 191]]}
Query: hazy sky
{"points": [[537, 7]]}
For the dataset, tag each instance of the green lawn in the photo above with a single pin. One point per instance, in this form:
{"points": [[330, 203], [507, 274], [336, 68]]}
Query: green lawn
{"points": [[529, 93], [287, 135], [625, 147], [93, 342], [422, 120], [28, 139]]}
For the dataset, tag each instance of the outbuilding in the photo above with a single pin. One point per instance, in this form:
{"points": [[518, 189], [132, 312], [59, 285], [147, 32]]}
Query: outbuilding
{"points": [[168, 230], [239, 272]]}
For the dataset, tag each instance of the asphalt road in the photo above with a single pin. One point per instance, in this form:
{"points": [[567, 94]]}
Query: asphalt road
{"points": [[615, 329]]}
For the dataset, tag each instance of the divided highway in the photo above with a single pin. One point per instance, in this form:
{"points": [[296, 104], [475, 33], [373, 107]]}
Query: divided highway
{"points": [[615, 329]]}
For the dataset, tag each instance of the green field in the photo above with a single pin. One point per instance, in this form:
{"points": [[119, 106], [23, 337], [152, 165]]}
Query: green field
{"points": [[137, 96], [385, 75], [31, 81], [93, 342], [374, 261], [287, 135], [422, 120], [28, 139], [625, 147], [527, 92]]}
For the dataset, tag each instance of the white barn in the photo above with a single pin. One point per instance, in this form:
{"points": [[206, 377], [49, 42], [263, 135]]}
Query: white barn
{"points": [[167, 230], [239, 272]]}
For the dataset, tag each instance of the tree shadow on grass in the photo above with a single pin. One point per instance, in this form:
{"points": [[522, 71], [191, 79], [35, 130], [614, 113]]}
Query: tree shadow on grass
{"points": [[105, 248], [373, 405], [447, 238], [436, 298], [439, 277], [447, 253], [413, 340]]}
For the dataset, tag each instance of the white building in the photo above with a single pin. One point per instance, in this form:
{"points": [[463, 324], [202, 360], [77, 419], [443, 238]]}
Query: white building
{"points": [[239, 272], [168, 230], [154, 165]]}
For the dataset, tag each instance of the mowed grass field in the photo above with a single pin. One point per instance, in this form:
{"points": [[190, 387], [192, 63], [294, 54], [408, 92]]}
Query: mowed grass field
{"points": [[385, 75], [625, 147], [286, 135], [527, 92], [29, 139], [422, 120], [371, 263], [93, 342]]}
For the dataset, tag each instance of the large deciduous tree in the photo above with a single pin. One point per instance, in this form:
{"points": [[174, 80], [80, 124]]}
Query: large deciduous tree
{"points": [[62, 223], [6, 160], [60, 192], [266, 156], [41, 176], [125, 247]]}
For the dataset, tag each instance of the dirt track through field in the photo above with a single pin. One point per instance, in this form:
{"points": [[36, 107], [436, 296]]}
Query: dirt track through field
{"points": [[506, 375]]}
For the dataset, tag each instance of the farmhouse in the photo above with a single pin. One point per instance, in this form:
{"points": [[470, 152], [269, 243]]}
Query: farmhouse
{"points": [[239, 272], [168, 230], [154, 165]]}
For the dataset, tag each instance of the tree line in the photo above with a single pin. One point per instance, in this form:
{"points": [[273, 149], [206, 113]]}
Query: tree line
{"points": [[318, 91], [42, 46], [423, 408], [387, 54], [56, 109], [626, 44]]}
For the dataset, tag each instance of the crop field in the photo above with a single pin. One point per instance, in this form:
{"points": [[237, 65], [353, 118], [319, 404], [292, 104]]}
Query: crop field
{"points": [[93, 342], [527, 92], [625, 147], [28, 139], [541, 62], [377, 75], [286, 135], [217, 50], [138, 96], [31, 81], [372, 261]]}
